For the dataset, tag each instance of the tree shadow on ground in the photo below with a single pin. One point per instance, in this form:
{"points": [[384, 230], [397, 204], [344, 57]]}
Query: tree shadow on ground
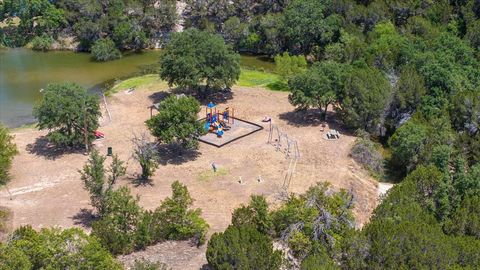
{"points": [[220, 97], [158, 96], [310, 117], [205, 267], [138, 181], [85, 218], [175, 154], [313, 117], [43, 147], [215, 96]]}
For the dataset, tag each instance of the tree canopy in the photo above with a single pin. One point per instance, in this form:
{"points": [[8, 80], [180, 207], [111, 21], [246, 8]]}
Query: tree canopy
{"points": [[104, 50], [70, 114], [199, 61], [242, 248], [176, 122], [54, 249]]}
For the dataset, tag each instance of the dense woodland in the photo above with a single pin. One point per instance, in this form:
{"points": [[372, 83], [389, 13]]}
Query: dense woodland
{"points": [[405, 75]]}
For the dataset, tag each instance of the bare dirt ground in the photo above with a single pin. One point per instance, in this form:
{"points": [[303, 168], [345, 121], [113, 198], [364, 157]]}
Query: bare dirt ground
{"points": [[47, 191]]}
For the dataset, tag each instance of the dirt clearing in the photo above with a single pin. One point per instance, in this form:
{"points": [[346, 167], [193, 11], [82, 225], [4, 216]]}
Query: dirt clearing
{"points": [[47, 190]]}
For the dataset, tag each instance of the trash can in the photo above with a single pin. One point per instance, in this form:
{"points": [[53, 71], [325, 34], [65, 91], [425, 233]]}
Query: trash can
{"points": [[109, 151]]}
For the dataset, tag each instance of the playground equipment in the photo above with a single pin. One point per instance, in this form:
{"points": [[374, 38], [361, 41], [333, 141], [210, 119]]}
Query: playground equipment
{"points": [[284, 144], [217, 121]]}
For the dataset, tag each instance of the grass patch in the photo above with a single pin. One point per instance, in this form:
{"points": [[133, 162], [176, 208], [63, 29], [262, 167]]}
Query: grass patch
{"points": [[253, 78], [250, 78], [136, 82], [209, 175], [278, 86]]}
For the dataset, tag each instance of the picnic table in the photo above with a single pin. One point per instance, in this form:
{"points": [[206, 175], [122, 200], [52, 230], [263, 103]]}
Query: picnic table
{"points": [[333, 134]]}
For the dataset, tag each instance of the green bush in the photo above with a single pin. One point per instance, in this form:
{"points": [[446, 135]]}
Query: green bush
{"points": [[407, 144], [42, 43], [254, 214], [367, 153], [287, 66], [318, 261], [173, 220], [8, 150], [95, 181], [54, 249], [13, 258], [148, 265], [242, 248], [466, 219], [125, 226], [104, 50], [318, 218], [117, 229]]}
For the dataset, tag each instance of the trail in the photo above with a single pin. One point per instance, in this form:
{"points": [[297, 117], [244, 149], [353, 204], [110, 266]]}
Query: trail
{"points": [[41, 185]]}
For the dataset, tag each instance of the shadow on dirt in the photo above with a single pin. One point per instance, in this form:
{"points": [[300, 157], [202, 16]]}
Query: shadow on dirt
{"points": [[43, 147]]}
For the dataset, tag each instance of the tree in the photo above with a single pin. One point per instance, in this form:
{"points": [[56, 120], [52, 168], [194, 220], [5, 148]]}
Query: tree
{"points": [[363, 99], [104, 50], [42, 43], [318, 87], [176, 122], [194, 57], [54, 249], [70, 113], [316, 221], [129, 35], [93, 177], [421, 246], [234, 31], [8, 150], [36, 17], [116, 169], [466, 219], [242, 248], [307, 24], [117, 228], [173, 220], [255, 214], [319, 261], [407, 144], [287, 66], [95, 182], [146, 153], [385, 47], [408, 93]]}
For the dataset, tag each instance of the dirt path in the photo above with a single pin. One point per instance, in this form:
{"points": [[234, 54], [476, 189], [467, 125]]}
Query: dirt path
{"points": [[47, 190]]}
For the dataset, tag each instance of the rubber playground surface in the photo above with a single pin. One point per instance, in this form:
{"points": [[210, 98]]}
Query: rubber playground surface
{"points": [[239, 129]]}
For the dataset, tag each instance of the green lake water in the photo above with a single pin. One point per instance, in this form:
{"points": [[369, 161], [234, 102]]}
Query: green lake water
{"points": [[24, 72]]}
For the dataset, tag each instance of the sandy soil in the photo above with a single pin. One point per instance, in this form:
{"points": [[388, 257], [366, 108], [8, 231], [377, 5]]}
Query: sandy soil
{"points": [[47, 191]]}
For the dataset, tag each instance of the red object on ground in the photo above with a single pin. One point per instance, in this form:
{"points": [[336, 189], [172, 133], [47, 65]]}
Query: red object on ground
{"points": [[99, 134]]}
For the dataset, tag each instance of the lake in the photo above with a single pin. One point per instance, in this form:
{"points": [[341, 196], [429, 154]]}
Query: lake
{"points": [[24, 72]]}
